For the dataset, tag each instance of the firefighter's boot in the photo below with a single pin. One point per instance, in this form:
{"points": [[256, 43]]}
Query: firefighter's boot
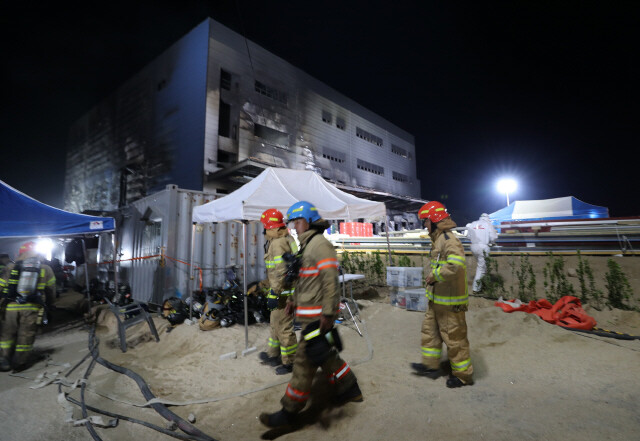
{"points": [[353, 394], [453, 382], [279, 419], [284, 369], [423, 371], [5, 366], [269, 361]]}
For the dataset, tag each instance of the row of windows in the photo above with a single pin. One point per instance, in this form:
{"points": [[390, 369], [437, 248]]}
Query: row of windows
{"points": [[333, 158], [369, 167], [373, 139], [400, 177], [271, 92], [327, 117], [400, 151], [334, 155]]}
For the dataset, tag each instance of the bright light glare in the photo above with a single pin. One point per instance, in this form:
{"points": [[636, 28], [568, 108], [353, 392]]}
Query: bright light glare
{"points": [[44, 247], [507, 186]]}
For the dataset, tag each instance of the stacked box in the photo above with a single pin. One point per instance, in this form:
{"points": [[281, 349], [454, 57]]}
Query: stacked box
{"points": [[416, 299], [404, 277], [397, 297]]}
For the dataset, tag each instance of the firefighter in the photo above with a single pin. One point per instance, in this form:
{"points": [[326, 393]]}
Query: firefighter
{"points": [[448, 297], [282, 342], [482, 234], [25, 285], [315, 303]]}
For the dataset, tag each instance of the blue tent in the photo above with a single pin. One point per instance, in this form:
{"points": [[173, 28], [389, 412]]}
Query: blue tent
{"points": [[23, 216], [548, 209]]}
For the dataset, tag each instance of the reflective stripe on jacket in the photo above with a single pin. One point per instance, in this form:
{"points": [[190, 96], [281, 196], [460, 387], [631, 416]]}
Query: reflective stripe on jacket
{"points": [[317, 290], [448, 267], [280, 242]]}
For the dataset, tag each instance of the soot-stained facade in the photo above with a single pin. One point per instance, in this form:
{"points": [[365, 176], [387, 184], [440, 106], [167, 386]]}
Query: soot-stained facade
{"points": [[212, 111]]}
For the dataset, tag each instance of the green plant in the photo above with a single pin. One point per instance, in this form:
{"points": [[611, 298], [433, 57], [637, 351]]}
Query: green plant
{"points": [[378, 268], [526, 279], [618, 287], [404, 261], [556, 284], [512, 265], [492, 281], [371, 265]]}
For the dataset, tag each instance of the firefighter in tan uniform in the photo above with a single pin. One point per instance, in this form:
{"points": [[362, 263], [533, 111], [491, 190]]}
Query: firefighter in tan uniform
{"points": [[448, 297], [315, 303], [282, 342], [25, 285]]}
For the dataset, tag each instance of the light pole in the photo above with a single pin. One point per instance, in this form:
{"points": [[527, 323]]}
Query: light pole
{"points": [[507, 186]]}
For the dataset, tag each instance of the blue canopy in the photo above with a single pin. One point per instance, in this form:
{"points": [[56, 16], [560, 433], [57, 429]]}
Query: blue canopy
{"points": [[548, 209], [23, 216]]}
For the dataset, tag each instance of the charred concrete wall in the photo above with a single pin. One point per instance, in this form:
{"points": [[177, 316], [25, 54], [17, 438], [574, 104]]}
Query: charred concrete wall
{"points": [[205, 105], [147, 134]]}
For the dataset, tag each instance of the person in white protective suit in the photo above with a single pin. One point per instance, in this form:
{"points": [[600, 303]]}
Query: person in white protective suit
{"points": [[481, 233]]}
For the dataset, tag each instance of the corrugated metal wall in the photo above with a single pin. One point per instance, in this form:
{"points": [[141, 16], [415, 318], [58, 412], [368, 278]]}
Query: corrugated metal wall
{"points": [[158, 267]]}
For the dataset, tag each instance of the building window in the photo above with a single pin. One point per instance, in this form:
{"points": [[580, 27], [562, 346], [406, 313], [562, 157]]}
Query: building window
{"points": [[340, 123], [271, 136], [400, 177], [225, 80], [373, 139], [369, 167], [326, 117], [400, 151], [334, 155], [271, 92]]}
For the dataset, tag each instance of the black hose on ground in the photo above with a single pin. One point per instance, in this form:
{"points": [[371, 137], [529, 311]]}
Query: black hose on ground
{"points": [[137, 421], [183, 425], [85, 414], [607, 333]]}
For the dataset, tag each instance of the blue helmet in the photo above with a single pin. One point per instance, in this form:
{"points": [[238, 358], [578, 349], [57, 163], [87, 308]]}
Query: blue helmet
{"points": [[303, 209]]}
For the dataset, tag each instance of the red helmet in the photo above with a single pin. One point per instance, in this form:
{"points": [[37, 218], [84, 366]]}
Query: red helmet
{"points": [[272, 218], [434, 211], [27, 246]]}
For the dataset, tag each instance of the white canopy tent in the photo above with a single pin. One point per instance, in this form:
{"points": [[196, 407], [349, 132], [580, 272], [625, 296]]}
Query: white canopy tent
{"points": [[280, 188]]}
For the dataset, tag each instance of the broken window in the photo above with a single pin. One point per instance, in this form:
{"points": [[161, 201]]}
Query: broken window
{"points": [[225, 80], [271, 136], [340, 123], [270, 92], [326, 117], [224, 120]]}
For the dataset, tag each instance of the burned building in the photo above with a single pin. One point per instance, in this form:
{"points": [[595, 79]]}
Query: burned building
{"points": [[213, 111]]}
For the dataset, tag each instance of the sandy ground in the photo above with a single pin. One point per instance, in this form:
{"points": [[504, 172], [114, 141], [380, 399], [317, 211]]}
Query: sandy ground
{"points": [[533, 381]]}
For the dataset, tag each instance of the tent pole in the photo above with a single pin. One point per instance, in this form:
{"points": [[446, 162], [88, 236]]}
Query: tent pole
{"points": [[190, 279], [115, 261], [244, 284], [386, 219], [86, 276]]}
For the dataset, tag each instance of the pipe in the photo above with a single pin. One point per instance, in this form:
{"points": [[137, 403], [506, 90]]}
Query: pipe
{"points": [[386, 220], [86, 276], [190, 280], [244, 283]]}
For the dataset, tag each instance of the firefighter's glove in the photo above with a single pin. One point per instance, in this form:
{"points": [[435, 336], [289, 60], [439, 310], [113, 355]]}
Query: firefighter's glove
{"points": [[272, 300]]}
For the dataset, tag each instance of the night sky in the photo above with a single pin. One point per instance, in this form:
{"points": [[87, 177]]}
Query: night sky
{"points": [[546, 92]]}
